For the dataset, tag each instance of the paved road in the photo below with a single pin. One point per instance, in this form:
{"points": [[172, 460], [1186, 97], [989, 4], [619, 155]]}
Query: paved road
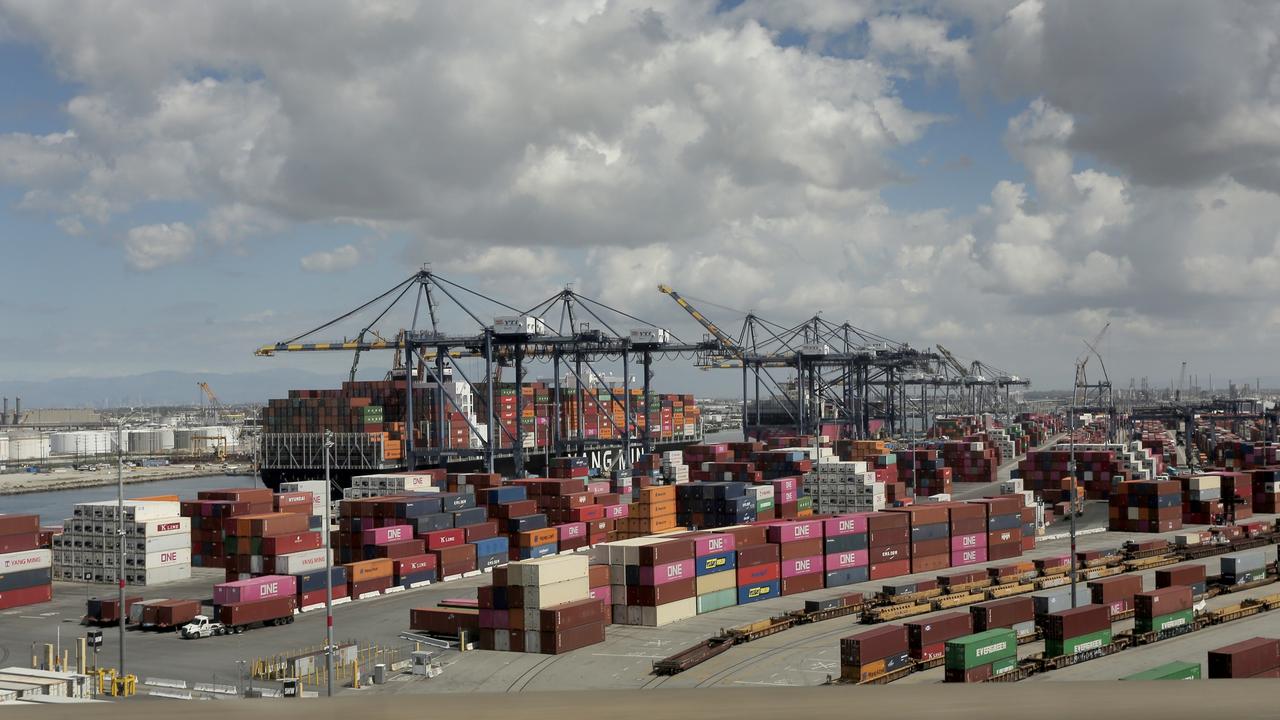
{"points": [[997, 701]]}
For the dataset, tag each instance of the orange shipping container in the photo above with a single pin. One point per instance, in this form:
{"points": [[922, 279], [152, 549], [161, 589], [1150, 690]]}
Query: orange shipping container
{"points": [[533, 538], [369, 570]]}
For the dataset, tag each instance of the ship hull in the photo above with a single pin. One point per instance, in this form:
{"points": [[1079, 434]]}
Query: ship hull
{"points": [[535, 462]]}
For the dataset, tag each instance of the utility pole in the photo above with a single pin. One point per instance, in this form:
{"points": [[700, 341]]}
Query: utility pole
{"points": [[328, 573], [120, 533], [1071, 469]]}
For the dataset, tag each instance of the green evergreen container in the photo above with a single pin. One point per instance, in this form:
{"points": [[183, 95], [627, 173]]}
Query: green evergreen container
{"points": [[1077, 645], [1165, 622], [1170, 671], [984, 648]]}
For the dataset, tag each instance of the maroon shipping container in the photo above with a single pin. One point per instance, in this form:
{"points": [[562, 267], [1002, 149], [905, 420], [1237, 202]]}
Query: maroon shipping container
{"points": [[572, 614], [169, 614], [802, 583], [667, 552], [25, 596], [1118, 588], [654, 595], [597, 575], [291, 543], [940, 629], [924, 514], [801, 549], [19, 524], [889, 536], [885, 521], [889, 553], [360, 587], [1248, 658], [1083, 620], [872, 645], [930, 563], [881, 571], [258, 611], [1004, 613], [107, 610], [574, 638], [969, 526], [941, 546], [19, 542], [966, 511], [754, 555], [962, 578], [1180, 575], [445, 621], [746, 536], [398, 550], [481, 531], [1163, 601]]}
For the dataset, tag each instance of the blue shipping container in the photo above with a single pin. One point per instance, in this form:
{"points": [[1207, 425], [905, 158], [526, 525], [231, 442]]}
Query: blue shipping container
{"points": [[719, 562], [848, 576], [538, 551], [758, 591], [420, 576], [492, 546]]}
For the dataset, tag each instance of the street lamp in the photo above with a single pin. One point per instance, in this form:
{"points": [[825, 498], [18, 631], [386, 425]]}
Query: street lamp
{"points": [[328, 572]]}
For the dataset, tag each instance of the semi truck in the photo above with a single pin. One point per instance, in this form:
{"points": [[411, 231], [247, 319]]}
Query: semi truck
{"points": [[235, 618]]}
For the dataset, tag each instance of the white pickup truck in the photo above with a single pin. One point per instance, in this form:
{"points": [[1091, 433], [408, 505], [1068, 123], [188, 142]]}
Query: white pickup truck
{"points": [[201, 627]]}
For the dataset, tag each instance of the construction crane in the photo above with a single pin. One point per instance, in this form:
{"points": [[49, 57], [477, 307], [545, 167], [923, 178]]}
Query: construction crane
{"points": [[214, 405], [729, 343]]}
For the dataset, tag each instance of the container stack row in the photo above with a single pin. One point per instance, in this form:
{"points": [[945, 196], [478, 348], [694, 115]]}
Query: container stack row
{"points": [[1146, 506], [157, 543], [26, 569]]}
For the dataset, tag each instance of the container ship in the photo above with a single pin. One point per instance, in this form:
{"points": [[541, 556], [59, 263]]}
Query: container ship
{"points": [[369, 422]]}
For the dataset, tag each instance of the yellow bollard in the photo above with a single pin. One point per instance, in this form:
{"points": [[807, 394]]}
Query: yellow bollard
{"points": [[81, 648]]}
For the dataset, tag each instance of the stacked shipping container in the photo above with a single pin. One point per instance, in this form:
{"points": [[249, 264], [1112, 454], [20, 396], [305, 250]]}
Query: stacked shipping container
{"points": [[26, 569]]}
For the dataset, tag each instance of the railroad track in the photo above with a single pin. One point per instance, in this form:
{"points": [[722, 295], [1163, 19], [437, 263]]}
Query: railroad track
{"points": [[528, 676], [922, 603]]}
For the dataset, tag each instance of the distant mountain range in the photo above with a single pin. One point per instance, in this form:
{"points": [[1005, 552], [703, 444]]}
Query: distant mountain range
{"points": [[164, 387]]}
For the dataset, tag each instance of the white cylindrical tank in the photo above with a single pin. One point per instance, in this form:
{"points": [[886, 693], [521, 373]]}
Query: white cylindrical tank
{"points": [[29, 447], [151, 440], [82, 442], [182, 438]]}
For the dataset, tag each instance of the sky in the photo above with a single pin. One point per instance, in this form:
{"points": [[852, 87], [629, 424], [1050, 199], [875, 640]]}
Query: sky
{"points": [[184, 181]]}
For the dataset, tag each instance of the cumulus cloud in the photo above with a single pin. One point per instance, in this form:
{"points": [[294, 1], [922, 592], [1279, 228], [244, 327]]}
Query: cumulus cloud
{"points": [[148, 247], [739, 154], [1173, 93], [327, 261]]}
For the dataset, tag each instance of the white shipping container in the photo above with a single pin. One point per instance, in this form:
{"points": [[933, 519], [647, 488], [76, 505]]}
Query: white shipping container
{"points": [[669, 613], [151, 545], [26, 560], [302, 562], [163, 526], [557, 593], [157, 576], [165, 558], [555, 569]]}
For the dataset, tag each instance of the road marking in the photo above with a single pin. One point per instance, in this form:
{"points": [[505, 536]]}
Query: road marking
{"points": [[31, 617], [757, 682]]}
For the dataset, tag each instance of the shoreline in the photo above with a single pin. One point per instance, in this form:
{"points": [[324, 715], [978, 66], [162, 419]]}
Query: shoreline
{"points": [[25, 483]]}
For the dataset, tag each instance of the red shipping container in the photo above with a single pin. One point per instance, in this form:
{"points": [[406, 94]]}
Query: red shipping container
{"points": [[25, 596], [881, 571]]}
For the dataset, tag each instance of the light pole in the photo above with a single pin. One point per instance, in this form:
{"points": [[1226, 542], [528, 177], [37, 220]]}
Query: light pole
{"points": [[1071, 470], [120, 532], [328, 574]]}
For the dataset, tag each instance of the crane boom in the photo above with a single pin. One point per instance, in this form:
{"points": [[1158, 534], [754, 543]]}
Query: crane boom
{"points": [[702, 320], [952, 361]]}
